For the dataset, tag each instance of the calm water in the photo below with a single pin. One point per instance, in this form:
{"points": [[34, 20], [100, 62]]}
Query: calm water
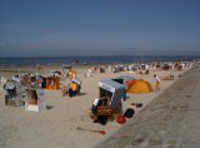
{"points": [[90, 60]]}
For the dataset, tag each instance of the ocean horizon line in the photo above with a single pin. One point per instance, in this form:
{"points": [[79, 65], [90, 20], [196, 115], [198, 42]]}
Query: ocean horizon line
{"points": [[101, 56]]}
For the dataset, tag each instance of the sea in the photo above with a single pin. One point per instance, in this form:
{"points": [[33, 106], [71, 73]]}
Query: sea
{"points": [[89, 60]]}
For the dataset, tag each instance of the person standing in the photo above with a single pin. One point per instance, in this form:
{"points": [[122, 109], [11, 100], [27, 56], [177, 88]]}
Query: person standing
{"points": [[157, 87]]}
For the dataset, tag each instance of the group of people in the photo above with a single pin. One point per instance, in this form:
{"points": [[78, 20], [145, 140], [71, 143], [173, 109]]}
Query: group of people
{"points": [[73, 90], [75, 85]]}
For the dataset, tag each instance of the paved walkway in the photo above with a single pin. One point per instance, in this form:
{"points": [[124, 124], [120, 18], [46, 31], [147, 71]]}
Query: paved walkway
{"points": [[171, 121]]}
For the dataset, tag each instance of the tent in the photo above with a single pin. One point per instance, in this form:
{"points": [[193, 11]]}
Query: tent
{"points": [[139, 87]]}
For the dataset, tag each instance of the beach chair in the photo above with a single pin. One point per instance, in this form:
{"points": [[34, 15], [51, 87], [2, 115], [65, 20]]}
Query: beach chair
{"points": [[36, 105], [13, 96]]}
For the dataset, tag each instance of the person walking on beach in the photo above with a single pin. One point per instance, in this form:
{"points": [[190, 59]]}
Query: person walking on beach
{"points": [[157, 87]]}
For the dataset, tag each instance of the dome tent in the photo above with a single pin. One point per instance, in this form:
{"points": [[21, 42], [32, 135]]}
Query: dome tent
{"points": [[139, 87]]}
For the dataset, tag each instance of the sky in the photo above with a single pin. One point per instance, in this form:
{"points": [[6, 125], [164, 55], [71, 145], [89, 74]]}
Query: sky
{"points": [[99, 27]]}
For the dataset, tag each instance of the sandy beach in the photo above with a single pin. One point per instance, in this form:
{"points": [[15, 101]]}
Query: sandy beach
{"points": [[57, 127], [170, 121], [99, 74]]}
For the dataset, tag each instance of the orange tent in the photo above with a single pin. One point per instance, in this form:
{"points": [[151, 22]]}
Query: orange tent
{"points": [[139, 87]]}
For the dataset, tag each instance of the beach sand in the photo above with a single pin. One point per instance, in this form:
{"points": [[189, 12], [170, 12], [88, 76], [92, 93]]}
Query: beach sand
{"points": [[170, 121], [57, 127]]}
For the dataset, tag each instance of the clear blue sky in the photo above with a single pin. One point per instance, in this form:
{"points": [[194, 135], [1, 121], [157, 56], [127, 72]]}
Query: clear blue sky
{"points": [[99, 27]]}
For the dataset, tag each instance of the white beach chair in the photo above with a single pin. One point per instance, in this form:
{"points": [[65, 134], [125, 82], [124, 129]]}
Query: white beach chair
{"points": [[41, 103]]}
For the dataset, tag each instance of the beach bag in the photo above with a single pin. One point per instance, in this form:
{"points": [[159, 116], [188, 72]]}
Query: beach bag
{"points": [[121, 119]]}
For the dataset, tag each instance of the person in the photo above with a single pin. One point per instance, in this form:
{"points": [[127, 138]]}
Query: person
{"points": [[73, 89], [95, 105], [89, 72], [72, 74], [157, 82], [64, 90]]}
